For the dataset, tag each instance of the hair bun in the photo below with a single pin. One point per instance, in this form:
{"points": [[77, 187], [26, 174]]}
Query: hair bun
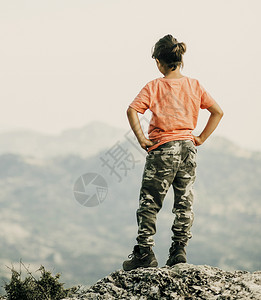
{"points": [[179, 48]]}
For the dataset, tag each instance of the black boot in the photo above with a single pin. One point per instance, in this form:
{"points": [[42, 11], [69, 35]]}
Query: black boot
{"points": [[140, 257], [177, 254]]}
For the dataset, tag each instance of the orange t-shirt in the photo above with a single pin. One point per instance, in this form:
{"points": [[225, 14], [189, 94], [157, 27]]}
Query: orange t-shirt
{"points": [[175, 105]]}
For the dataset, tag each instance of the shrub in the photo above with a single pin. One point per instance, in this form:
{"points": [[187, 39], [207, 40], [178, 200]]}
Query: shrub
{"points": [[47, 287]]}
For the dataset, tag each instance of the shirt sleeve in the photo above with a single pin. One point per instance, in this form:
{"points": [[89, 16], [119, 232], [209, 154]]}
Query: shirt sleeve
{"points": [[206, 99], [142, 101]]}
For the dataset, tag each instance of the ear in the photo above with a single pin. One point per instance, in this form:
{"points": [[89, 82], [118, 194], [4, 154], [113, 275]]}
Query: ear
{"points": [[158, 62]]}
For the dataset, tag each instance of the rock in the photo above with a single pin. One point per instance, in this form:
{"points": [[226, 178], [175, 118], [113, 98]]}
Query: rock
{"points": [[180, 282]]}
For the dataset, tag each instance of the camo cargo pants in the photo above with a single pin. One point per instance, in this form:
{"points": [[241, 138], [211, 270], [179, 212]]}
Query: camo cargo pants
{"points": [[172, 163]]}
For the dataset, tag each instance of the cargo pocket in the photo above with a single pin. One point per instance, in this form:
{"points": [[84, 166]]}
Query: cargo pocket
{"points": [[191, 160]]}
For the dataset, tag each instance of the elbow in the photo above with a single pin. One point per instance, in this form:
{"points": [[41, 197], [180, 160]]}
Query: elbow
{"points": [[218, 114], [221, 113]]}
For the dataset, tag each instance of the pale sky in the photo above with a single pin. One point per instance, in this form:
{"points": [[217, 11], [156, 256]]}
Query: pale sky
{"points": [[65, 63]]}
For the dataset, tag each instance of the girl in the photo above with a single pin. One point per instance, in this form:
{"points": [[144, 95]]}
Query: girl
{"points": [[174, 101]]}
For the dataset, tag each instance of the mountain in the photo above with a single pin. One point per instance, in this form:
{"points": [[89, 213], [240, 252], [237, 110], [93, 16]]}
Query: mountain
{"points": [[44, 222], [183, 281], [89, 140], [84, 141]]}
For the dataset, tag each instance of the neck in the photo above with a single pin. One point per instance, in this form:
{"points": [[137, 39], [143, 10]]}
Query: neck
{"points": [[173, 74]]}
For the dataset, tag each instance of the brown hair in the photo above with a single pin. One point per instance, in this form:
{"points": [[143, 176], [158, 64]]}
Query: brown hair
{"points": [[169, 52]]}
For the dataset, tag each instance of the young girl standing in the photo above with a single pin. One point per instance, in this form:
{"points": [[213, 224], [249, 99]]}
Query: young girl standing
{"points": [[174, 101]]}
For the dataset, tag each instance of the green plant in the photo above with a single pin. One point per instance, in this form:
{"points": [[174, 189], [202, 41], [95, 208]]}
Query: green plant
{"points": [[47, 287]]}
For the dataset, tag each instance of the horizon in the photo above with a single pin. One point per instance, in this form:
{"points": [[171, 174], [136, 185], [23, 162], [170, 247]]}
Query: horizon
{"points": [[26, 130]]}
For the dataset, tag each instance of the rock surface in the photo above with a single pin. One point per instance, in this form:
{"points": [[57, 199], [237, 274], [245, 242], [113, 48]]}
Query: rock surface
{"points": [[183, 281]]}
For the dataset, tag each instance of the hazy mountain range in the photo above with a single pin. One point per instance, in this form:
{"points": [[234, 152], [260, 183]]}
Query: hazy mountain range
{"points": [[85, 141], [42, 223]]}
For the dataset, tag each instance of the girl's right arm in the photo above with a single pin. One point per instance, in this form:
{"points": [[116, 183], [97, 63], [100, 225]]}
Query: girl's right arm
{"points": [[135, 126], [216, 114]]}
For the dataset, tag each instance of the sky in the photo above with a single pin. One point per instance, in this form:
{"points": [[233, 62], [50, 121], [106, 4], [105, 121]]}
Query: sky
{"points": [[66, 63]]}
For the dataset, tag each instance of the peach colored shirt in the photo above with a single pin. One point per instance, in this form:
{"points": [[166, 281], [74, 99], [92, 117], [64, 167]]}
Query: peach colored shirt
{"points": [[175, 105]]}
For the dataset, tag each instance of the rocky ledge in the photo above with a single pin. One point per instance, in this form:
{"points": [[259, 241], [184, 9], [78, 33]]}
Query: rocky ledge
{"points": [[183, 281]]}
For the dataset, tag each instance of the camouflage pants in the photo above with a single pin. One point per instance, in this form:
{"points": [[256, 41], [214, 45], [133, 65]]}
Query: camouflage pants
{"points": [[172, 163]]}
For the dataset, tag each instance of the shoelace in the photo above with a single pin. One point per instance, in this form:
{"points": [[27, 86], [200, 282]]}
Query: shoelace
{"points": [[133, 254]]}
